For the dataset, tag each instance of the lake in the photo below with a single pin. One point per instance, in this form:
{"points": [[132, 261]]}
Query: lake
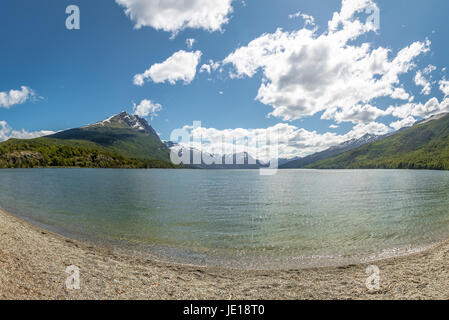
{"points": [[237, 218]]}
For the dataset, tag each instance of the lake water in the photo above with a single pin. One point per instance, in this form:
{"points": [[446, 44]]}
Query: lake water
{"points": [[237, 218]]}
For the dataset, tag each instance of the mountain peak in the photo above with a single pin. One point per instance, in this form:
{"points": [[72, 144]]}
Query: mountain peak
{"points": [[125, 119]]}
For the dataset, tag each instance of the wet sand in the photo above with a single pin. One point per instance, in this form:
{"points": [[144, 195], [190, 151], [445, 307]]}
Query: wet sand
{"points": [[33, 265]]}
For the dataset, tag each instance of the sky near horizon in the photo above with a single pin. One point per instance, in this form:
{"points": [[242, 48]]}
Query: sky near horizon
{"points": [[317, 73]]}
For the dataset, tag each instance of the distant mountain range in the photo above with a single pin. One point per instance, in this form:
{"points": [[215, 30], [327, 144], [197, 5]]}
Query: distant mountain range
{"points": [[425, 145], [246, 161], [121, 141]]}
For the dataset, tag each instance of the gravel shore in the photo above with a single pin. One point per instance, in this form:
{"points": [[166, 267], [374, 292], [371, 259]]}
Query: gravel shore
{"points": [[33, 265]]}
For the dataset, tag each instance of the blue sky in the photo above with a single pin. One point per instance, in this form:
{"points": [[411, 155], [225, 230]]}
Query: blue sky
{"points": [[83, 76]]}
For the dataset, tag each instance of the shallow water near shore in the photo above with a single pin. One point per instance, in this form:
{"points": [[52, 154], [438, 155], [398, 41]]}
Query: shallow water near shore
{"points": [[237, 218]]}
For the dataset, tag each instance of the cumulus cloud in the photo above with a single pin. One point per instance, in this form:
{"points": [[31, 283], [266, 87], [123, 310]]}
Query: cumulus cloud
{"points": [[444, 87], [14, 97], [147, 108], [176, 15], [305, 73], [403, 123], [421, 80], [181, 66], [422, 110], [6, 132], [355, 114], [362, 129]]}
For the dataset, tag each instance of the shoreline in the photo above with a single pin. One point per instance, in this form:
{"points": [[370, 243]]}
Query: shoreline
{"points": [[301, 262], [33, 262]]}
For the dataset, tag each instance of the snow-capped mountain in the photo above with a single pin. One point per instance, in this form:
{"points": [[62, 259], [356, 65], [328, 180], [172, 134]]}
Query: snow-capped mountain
{"points": [[127, 120], [354, 143], [124, 134]]}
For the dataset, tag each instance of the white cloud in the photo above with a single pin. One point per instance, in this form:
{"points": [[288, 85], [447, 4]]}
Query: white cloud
{"points": [[209, 67], [205, 68], [355, 114], [403, 123], [305, 73], [349, 8], [147, 108], [6, 132], [361, 129], [176, 15], [421, 80], [14, 97], [181, 66], [431, 107], [401, 94], [190, 42], [444, 87], [308, 19]]}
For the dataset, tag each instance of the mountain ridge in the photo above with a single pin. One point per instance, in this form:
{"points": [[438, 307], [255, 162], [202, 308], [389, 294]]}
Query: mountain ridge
{"points": [[425, 145], [330, 152]]}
